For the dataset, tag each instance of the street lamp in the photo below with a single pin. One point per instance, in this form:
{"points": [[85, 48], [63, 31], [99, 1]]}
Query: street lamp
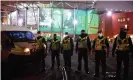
{"points": [[109, 13], [75, 22]]}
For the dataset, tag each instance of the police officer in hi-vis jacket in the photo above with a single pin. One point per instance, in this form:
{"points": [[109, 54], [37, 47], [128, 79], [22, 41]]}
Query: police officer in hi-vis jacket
{"points": [[101, 48], [83, 45], [67, 50], [122, 47], [55, 51]]}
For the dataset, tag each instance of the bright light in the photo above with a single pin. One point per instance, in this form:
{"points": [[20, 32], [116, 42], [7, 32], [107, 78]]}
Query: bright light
{"points": [[126, 26], [20, 22], [69, 13], [109, 40], [26, 50], [115, 35], [131, 36], [64, 36], [75, 22], [109, 13]]}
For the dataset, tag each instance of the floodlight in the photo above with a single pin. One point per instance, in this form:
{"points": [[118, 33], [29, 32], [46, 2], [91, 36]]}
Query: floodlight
{"points": [[109, 13]]}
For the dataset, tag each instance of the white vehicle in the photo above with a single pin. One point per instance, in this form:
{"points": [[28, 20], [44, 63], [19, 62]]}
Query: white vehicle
{"points": [[15, 40]]}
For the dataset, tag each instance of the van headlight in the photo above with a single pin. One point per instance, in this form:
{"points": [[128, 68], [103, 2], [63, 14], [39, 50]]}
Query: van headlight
{"points": [[26, 50]]}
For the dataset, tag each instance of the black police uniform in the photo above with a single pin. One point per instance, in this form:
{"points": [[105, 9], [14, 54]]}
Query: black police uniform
{"points": [[42, 52], [83, 52], [122, 55], [67, 53], [100, 54], [55, 52]]}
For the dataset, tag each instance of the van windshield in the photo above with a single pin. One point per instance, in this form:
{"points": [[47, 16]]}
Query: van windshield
{"points": [[19, 36]]}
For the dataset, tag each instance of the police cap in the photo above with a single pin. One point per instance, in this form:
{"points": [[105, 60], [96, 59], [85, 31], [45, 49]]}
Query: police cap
{"points": [[38, 32], [123, 29], [99, 31], [66, 33], [54, 34], [82, 30]]}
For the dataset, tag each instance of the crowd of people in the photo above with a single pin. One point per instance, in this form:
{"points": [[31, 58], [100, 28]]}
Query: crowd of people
{"points": [[122, 46]]}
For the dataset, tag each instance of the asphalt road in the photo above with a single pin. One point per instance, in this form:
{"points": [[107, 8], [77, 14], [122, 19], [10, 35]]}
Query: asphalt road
{"points": [[35, 74]]}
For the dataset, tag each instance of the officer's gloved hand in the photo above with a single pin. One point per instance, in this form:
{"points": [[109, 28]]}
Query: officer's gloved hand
{"points": [[76, 51], [107, 53], [61, 52], [89, 53], [113, 55], [49, 51], [45, 54], [72, 54], [92, 52], [132, 55]]}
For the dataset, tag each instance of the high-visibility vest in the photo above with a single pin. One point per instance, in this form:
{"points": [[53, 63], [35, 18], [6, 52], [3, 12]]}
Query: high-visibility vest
{"points": [[40, 44], [122, 44], [55, 45], [66, 44], [82, 43], [100, 44]]}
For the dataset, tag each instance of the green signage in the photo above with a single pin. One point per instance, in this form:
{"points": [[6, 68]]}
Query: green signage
{"points": [[68, 20]]}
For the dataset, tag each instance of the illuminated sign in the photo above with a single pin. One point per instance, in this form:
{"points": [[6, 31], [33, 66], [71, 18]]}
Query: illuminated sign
{"points": [[123, 19]]}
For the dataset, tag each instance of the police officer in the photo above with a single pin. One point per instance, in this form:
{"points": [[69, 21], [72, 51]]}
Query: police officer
{"points": [[82, 46], [101, 48], [55, 50], [38, 35], [122, 47], [67, 50], [42, 50]]}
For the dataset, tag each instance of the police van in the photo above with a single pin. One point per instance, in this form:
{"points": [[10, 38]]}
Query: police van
{"points": [[16, 40]]}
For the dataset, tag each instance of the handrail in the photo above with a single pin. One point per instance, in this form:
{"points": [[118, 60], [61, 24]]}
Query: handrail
{"points": [[64, 74], [48, 75]]}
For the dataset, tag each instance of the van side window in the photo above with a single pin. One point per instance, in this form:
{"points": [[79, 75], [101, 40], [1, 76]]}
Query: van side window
{"points": [[20, 36]]}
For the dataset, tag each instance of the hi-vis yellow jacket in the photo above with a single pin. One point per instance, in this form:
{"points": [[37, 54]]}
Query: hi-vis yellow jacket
{"points": [[82, 43], [122, 44], [55, 45], [100, 44], [66, 44], [41, 44]]}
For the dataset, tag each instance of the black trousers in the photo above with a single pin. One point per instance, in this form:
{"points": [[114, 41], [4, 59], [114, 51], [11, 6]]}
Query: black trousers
{"points": [[122, 56], [53, 55], [100, 57], [67, 58], [42, 58], [83, 54]]}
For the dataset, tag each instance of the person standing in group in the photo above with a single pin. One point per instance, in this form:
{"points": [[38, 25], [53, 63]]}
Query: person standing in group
{"points": [[122, 47], [67, 50], [41, 50], [101, 48], [55, 51], [38, 35], [83, 45]]}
